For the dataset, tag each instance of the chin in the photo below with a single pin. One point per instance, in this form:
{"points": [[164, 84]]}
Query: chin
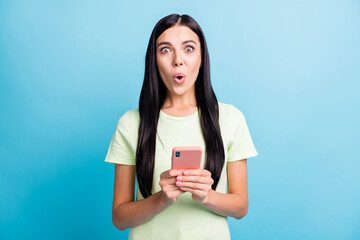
{"points": [[178, 93]]}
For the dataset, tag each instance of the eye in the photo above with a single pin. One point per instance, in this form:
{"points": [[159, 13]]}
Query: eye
{"points": [[165, 50], [189, 49]]}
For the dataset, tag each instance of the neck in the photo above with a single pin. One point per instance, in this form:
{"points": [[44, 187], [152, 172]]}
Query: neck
{"points": [[180, 101]]}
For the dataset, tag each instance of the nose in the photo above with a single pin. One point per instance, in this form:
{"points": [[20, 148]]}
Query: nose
{"points": [[178, 61]]}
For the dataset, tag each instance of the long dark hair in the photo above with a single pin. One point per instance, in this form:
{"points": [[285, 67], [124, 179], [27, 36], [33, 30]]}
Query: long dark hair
{"points": [[152, 97]]}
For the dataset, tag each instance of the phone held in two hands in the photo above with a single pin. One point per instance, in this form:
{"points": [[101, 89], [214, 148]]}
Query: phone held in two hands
{"points": [[188, 157]]}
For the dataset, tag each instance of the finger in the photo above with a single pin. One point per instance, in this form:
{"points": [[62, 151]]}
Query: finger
{"points": [[199, 179], [188, 172], [194, 191], [194, 185], [165, 174], [198, 172], [174, 172], [167, 181], [170, 173], [179, 191], [171, 188]]}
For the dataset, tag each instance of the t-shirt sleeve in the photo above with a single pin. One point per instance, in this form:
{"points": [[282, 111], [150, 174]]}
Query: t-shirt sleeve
{"points": [[241, 146], [122, 149]]}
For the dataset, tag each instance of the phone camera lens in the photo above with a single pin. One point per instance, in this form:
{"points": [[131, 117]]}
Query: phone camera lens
{"points": [[177, 154]]}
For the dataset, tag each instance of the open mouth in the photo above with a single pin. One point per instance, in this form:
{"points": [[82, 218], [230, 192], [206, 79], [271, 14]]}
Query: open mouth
{"points": [[179, 77]]}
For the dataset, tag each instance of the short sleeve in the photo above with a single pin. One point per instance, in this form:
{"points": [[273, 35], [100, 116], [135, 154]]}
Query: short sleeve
{"points": [[241, 145], [122, 147]]}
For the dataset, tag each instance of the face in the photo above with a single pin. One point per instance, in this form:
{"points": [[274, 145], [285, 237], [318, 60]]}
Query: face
{"points": [[178, 57]]}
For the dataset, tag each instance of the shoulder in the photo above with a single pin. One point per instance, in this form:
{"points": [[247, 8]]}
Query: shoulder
{"points": [[129, 118], [131, 114], [134, 114], [230, 112]]}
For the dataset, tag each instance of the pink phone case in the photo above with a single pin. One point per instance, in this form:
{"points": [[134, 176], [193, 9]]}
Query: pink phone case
{"points": [[186, 157]]}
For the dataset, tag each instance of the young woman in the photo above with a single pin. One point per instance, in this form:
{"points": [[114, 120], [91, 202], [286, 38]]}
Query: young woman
{"points": [[178, 107]]}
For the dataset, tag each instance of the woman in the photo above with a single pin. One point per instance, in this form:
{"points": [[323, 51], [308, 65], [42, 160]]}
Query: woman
{"points": [[178, 107]]}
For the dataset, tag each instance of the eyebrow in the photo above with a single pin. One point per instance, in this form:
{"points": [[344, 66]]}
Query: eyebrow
{"points": [[168, 43]]}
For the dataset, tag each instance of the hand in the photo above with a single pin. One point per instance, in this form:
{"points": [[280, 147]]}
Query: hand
{"points": [[170, 191], [198, 182]]}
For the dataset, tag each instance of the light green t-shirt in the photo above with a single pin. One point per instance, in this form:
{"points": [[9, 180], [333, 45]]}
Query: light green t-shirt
{"points": [[185, 219]]}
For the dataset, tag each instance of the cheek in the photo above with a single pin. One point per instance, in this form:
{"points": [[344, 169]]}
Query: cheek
{"points": [[163, 70], [163, 62], [160, 65], [195, 63]]}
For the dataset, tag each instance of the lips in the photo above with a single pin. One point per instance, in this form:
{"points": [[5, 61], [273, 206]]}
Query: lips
{"points": [[179, 77]]}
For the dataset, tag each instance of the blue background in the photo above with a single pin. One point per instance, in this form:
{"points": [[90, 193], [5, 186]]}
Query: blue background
{"points": [[70, 69]]}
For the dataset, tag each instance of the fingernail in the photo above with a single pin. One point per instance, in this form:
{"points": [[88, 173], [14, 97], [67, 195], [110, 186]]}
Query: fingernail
{"points": [[178, 183], [186, 172], [179, 178]]}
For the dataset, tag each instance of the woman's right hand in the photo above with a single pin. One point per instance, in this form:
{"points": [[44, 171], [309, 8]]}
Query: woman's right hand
{"points": [[170, 191]]}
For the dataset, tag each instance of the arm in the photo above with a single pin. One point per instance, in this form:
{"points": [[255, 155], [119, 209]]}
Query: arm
{"points": [[128, 213], [233, 204], [125, 212]]}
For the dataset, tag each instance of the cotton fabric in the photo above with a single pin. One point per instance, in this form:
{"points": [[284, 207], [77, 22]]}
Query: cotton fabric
{"points": [[185, 219]]}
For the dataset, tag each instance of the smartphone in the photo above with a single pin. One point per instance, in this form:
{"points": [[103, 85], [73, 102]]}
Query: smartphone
{"points": [[186, 157]]}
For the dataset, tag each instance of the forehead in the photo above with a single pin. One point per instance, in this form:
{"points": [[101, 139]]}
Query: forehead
{"points": [[178, 34]]}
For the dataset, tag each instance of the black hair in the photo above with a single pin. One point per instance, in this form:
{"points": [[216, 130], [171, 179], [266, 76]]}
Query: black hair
{"points": [[152, 97]]}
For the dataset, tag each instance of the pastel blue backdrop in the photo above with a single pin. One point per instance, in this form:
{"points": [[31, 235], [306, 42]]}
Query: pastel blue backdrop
{"points": [[70, 69]]}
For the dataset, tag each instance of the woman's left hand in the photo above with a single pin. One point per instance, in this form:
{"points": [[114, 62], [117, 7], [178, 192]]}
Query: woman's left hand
{"points": [[198, 182]]}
